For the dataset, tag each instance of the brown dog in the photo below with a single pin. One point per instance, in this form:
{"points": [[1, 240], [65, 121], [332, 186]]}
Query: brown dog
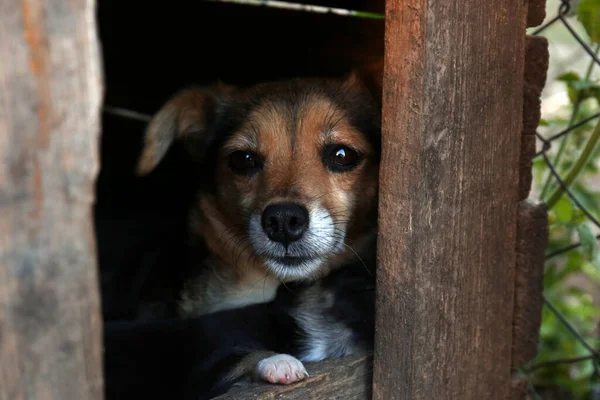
{"points": [[291, 172]]}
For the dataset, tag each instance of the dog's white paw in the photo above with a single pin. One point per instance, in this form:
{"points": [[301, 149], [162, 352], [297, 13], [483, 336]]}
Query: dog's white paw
{"points": [[281, 368]]}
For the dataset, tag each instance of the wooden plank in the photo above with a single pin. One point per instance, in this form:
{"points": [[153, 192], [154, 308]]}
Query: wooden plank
{"points": [[452, 116], [344, 379], [532, 239], [50, 94], [518, 388], [536, 68]]}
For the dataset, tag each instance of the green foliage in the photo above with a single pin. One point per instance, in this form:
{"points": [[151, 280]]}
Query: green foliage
{"points": [[589, 245], [571, 277], [588, 12], [580, 89]]}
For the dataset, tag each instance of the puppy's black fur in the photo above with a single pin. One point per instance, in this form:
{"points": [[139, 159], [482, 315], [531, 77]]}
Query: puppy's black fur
{"points": [[192, 358]]}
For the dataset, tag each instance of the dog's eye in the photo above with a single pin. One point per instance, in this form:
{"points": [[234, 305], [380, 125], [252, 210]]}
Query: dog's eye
{"points": [[244, 162], [340, 158]]}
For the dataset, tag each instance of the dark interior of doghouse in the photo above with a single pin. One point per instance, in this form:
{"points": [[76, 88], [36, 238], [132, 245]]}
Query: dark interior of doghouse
{"points": [[151, 50]]}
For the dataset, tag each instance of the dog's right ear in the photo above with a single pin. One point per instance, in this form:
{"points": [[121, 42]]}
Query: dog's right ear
{"points": [[189, 114], [370, 75]]}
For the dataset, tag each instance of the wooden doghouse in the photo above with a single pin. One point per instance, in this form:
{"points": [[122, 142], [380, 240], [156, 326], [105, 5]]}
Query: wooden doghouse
{"points": [[460, 247]]}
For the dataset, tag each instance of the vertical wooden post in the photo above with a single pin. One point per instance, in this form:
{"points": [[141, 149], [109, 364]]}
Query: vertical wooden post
{"points": [[452, 116], [50, 94]]}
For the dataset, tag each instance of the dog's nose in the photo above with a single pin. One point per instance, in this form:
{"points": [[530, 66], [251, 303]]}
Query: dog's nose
{"points": [[285, 222]]}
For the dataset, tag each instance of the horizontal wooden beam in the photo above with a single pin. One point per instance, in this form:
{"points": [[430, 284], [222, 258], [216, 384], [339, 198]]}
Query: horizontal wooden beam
{"points": [[348, 378]]}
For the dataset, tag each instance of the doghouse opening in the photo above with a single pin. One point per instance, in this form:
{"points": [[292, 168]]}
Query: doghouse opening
{"points": [[151, 50]]}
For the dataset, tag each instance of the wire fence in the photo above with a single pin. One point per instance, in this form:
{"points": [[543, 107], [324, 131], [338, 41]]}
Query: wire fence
{"points": [[563, 185]]}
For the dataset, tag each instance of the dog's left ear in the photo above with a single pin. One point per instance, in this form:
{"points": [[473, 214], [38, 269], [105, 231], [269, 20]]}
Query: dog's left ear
{"points": [[369, 76], [189, 115]]}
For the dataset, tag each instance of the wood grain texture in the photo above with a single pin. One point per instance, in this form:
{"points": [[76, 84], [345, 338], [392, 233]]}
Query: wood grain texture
{"points": [[50, 94], [518, 388], [348, 378], [452, 116], [532, 240], [536, 69]]}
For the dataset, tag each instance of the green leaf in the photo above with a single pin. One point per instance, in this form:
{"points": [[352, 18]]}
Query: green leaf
{"points": [[365, 14], [579, 217], [589, 244], [586, 90], [553, 122], [569, 77], [590, 200], [563, 210], [579, 89], [588, 12], [584, 84], [592, 168], [592, 270]]}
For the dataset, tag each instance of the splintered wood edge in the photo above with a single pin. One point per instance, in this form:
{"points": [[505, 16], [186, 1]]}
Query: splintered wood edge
{"points": [[536, 12], [532, 239], [341, 378], [536, 70]]}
